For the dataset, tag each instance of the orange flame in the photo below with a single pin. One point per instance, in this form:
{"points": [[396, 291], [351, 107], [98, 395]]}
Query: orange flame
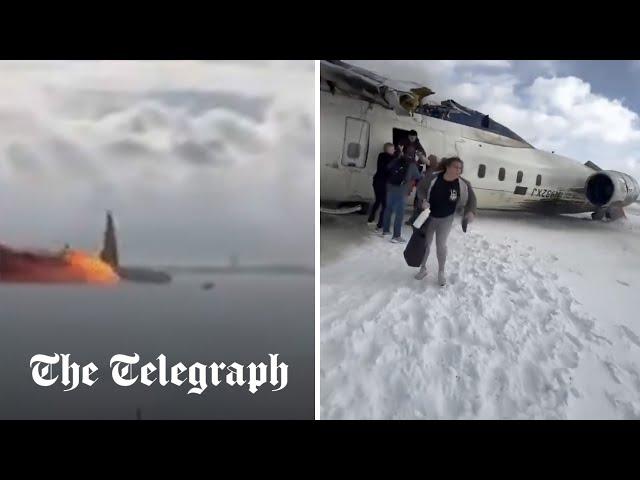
{"points": [[92, 269]]}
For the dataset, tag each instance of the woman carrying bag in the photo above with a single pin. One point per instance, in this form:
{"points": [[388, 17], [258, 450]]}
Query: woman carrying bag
{"points": [[444, 192]]}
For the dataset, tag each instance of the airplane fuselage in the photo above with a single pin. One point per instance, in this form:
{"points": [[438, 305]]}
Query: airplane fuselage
{"points": [[143, 275], [72, 266], [23, 266], [20, 266], [506, 174]]}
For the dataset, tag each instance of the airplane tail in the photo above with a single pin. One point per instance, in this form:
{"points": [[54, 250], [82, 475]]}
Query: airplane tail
{"points": [[109, 252]]}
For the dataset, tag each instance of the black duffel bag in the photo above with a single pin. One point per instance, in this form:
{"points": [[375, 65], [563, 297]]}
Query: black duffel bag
{"points": [[416, 248]]}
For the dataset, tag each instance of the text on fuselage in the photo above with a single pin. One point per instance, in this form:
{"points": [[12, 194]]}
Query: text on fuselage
{"points": [[545, 193]]}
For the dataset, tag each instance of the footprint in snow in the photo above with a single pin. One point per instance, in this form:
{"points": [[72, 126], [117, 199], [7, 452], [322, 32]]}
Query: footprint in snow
{"points": [[630, 334]]}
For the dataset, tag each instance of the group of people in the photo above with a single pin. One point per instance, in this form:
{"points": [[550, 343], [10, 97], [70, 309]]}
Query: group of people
{"points": [[439, 188]]}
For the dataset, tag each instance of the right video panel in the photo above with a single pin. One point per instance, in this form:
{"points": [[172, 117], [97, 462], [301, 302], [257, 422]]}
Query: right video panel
{"points": [[479, 240]]}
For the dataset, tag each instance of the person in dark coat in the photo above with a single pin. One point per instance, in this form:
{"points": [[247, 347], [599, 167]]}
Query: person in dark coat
{"points": [[411, 146], [403, 173], [414, 152], [380, 183]]}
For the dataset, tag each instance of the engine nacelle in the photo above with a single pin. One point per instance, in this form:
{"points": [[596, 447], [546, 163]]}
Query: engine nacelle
{"points": [[606, 188]]}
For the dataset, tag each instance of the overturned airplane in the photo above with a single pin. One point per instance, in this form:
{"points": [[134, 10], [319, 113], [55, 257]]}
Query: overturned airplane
{"points": [[360, 111], [74, 266]]}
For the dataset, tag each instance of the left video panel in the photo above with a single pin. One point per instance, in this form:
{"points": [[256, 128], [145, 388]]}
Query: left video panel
{"points": [[157, 239]]}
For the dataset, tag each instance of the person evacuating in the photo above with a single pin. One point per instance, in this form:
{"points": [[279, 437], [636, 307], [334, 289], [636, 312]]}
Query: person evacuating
{"points": [[414, 152], [380, 183], [402, 172], [426, 167], [443, 192], [411, 145]]}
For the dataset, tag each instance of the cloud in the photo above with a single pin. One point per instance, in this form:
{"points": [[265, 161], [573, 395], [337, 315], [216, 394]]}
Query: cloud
{"points": [[92, 104], [142, 118], [22, 159], [129, 149], [215, 156], [199, 154], [540, 100], [588, 115], [238, 132]]}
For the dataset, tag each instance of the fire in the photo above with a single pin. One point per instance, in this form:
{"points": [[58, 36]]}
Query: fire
{"points": [[92, 269], [71, 266]]}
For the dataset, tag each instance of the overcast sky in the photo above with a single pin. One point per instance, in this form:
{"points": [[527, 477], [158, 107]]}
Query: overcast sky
{"points": [[198, 160], [586, 110]]}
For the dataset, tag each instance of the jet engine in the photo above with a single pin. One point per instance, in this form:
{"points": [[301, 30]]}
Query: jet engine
{"points": [[609, 188]]}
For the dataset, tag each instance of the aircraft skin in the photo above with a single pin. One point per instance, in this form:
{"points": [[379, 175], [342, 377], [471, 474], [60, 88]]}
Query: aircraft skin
{"points": [[143, 275], [514, 175], [20, 266]]}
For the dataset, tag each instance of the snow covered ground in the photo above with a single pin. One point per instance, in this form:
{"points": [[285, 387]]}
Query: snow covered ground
{"points": [[540, 320]]}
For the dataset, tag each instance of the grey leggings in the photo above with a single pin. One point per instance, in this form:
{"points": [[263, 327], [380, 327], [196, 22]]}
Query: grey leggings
{"points": [[440, 227]]}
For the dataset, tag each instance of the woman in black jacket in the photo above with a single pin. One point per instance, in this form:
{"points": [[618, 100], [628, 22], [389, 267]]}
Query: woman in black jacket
{"points": [[444, 192]]}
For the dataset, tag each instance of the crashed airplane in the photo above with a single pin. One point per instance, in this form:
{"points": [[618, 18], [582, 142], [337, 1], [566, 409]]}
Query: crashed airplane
{"points": [[360, 111], [74, 266]]}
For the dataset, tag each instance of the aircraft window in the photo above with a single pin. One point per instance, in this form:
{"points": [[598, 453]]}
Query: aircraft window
{"points": [[519, 177], [539, 180], [353, 150], [481, 171], [501, 174]]}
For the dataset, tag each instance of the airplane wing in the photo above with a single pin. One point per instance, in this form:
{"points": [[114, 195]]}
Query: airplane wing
{"points": [[593, 166], [403, 97]]}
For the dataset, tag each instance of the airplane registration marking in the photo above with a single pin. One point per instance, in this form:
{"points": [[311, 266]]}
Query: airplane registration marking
{"points": [[545, 193]]}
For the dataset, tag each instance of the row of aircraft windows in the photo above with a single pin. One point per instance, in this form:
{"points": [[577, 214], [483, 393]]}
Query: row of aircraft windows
{"points": [[501, 174]]}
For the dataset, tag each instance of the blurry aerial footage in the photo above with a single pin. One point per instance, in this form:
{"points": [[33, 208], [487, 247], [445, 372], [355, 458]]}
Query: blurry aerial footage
{"points": [[158, 208]]}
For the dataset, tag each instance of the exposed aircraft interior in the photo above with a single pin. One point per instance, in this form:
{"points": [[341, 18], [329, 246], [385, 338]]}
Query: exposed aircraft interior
{"points": [[454, 112]]}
